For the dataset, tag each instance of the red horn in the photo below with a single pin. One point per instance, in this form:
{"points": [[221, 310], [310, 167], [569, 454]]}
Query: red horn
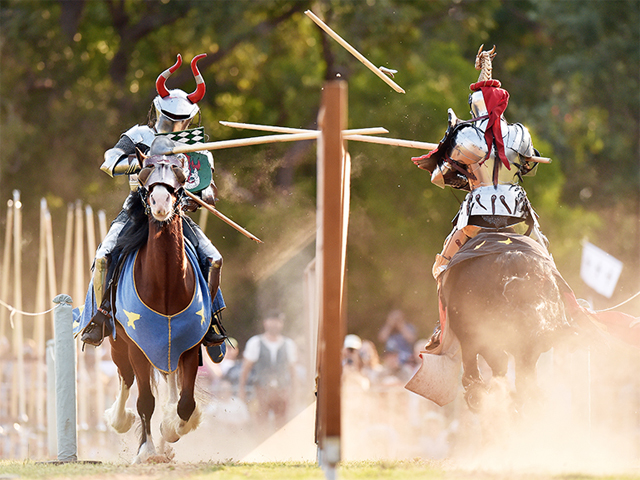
{"points": [[162, 78], [197, 95]]}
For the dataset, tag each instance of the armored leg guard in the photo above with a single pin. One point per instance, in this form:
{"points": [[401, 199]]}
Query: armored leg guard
{"points": [[98, 327], [216, 335]]}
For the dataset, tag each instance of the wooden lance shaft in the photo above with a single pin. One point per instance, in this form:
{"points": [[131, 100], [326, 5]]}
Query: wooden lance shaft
{"points": [[222, 217]]}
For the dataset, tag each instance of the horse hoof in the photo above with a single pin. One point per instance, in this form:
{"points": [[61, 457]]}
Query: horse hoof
{"points": [[473, 397], [121, 424], [170, 436]]}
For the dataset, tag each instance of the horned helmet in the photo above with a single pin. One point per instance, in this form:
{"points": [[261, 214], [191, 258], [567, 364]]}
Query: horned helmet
{"points": [[174, 108]]}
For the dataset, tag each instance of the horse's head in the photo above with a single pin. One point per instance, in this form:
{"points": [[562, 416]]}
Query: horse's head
{"points": [[162, 179]]}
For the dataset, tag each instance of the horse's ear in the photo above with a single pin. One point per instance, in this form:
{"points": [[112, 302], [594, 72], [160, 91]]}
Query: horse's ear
{"points": [[179, 173], [141, 156], [143, 176]]}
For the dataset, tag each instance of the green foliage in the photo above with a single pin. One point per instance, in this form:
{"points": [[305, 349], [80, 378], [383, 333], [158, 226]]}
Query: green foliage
{"points": [[75, 75]]}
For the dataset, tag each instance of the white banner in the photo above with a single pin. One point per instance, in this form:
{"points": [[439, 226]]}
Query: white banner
{"points": [[599, 270]]}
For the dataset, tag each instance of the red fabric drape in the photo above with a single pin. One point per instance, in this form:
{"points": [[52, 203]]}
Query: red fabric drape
{"points": [[496, 99]]}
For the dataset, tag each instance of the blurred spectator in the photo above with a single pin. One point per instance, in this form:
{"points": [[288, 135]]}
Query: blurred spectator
{"points": [[394, 372], [352, 363], [231, 366], [272, 358], [371, 366], [351, 352], [397, 335]]}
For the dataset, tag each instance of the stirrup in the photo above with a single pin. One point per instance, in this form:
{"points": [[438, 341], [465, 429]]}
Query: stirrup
{"points": [[216, 335], [93, 329], [90, 338]]}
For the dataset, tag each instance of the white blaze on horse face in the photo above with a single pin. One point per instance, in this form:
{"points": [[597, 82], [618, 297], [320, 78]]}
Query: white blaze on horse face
{"points": [[161, 203]]}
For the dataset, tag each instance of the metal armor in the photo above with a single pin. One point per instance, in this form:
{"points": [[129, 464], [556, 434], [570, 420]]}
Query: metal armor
{"points": [[495, 198]]}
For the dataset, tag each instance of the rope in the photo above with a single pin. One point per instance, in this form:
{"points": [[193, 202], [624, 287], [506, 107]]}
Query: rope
{"points": [[620, 304], [14, 311]]}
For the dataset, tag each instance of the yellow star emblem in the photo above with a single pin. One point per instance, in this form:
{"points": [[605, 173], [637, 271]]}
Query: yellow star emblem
{"points": [[201, 313], [132, 318], [506, 242]]}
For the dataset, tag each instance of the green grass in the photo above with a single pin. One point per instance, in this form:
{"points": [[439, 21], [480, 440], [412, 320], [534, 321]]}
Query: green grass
{"points": [[391, 470]]}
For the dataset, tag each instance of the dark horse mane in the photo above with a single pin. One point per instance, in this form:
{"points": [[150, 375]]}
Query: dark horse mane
{"points": [[133, 236], [136, 232]]}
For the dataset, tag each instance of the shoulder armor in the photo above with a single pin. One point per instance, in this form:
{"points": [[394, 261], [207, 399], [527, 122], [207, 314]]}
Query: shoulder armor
{"points": [[518, 139], [140, 134]]}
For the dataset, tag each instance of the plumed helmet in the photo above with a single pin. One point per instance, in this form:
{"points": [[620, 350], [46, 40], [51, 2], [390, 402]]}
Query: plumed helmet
{"points": [[174, 106]]}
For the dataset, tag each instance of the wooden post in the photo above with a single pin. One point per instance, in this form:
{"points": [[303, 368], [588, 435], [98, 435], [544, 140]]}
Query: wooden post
{"points": [[6, 262], [5, 396], [19, 400], [79, 289], [96, 379], [332, 223], [36, 408], [102, 224], [67, 261], [51, 263]]}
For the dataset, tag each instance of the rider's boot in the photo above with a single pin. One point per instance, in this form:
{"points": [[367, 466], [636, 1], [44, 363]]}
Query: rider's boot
{"points": [[434, 341], [98, 328], [216, 335]]}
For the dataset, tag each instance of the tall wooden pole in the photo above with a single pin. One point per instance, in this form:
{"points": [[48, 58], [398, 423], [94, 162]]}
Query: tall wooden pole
{"points": [[79, 286], [51, 263], [6, 263], [37, 407], [18, 335], [332, 223], [67, 260], [97, 380]]}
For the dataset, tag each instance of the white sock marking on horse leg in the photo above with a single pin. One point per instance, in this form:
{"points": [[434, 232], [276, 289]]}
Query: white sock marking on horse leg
{"points": [[118, 416]]}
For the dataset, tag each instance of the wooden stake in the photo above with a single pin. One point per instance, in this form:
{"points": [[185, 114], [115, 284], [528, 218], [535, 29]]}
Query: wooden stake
{"points": [[6, 262], [37, 403], [67, 260], [354, 52], [18, 335], [222, 217]]}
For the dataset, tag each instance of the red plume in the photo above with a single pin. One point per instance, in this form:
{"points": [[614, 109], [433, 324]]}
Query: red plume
{"points": [[197, 95], [162, 78]]}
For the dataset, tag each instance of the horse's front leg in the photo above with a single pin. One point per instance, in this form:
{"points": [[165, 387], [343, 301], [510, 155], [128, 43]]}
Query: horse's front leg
{"points": [[146, 404], [185, 415], [118, 416]]}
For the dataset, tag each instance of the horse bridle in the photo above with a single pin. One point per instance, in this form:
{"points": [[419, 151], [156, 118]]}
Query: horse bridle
{"points": [[144, 195]]}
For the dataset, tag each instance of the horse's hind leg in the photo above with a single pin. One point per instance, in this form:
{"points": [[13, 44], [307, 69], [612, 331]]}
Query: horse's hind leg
{"points": [[474, 388], [118, 416]]}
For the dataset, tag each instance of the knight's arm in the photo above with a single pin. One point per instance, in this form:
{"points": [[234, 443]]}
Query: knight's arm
{"points": [[121, 159], [519, 140], [118, 162]]}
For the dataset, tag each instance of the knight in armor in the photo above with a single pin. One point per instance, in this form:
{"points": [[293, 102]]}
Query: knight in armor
{"points": [[486, 157], [171, 114]]}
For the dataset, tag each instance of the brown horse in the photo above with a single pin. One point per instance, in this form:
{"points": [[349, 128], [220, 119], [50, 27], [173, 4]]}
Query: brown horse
{"points": [[166, 282], [501, 295]]}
